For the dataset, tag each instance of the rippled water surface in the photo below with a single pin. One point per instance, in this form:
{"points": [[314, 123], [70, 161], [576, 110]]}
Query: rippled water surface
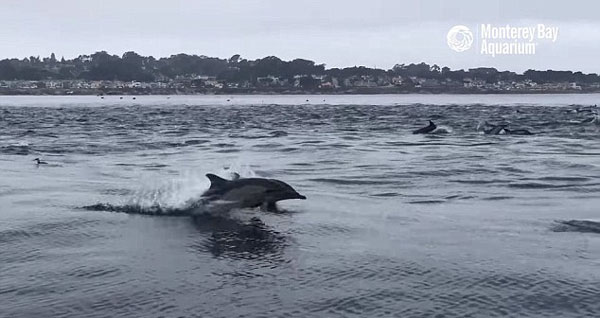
{"points": [[452, 224]]}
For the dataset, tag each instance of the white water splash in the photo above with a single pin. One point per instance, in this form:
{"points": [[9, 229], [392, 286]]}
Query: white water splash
{"points": [[441, 130], [183, 192]]}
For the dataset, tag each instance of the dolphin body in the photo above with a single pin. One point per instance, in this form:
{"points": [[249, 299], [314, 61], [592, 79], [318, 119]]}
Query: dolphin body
{"points": [[39, 162], [248, 192], [496, 130], [502, 129], [523, 132], [425, 130]]}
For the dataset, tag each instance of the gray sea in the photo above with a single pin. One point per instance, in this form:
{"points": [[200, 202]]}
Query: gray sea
{"points": [[455, 223]]}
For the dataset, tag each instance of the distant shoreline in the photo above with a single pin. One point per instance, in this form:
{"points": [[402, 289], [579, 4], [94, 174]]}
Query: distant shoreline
{"points": [[132, 74], [362, 91]]}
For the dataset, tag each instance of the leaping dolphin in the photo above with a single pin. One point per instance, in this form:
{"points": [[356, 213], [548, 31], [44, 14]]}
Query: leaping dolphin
{"points": [[249, 192], [426, 130]]}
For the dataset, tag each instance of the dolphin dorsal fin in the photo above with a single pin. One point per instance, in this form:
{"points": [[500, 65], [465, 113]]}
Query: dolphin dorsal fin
{"points": [[215, 181]]}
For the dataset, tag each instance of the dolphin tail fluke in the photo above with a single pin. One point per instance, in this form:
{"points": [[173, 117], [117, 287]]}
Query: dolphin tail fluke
{"points": [[215, 181]]}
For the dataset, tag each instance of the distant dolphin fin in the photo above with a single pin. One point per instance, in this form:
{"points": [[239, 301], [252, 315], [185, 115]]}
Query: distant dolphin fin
{"points": [[235, 176], [215, 181]]}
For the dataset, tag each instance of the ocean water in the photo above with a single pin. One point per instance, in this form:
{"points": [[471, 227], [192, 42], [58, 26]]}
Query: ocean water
{"points": [[451, 224]]}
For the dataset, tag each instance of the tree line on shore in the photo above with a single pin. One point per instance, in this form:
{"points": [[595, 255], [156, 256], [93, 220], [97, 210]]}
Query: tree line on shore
{"points": [[134, 67]]}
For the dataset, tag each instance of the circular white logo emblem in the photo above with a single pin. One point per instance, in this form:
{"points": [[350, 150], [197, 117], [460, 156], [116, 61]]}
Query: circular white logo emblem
{"points": [[459, 38]]}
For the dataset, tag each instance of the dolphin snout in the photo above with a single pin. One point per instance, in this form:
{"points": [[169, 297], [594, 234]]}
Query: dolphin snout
{"points": [[301, 197]]}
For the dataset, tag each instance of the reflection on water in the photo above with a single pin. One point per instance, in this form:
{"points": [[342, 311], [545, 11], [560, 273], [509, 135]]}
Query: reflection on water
{"points": [[229, 237]]}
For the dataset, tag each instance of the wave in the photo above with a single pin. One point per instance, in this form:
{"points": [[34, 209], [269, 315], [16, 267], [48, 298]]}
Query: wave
{"points": [[581, 226]]}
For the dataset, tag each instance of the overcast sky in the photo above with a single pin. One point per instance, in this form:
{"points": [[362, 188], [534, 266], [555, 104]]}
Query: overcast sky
{"points": [[338, 33]]}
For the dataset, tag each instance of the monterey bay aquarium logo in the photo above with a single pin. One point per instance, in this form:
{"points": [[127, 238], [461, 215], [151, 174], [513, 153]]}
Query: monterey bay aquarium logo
{"points": [[501, 40]]}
